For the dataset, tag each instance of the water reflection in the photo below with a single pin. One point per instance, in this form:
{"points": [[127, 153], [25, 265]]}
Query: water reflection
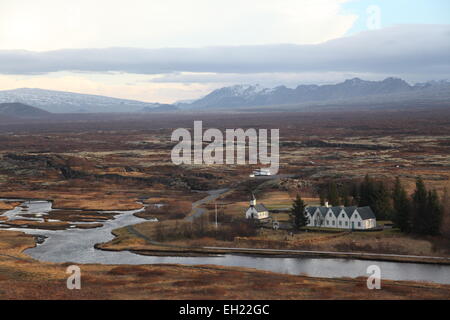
{"points": [[77, 245]]}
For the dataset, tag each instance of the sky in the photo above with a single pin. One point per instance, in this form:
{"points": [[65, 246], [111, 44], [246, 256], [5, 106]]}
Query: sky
{"points": [[171, 50]]}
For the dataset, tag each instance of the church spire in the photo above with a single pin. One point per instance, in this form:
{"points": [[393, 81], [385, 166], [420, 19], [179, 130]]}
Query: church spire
{"points": [[252, 200]]}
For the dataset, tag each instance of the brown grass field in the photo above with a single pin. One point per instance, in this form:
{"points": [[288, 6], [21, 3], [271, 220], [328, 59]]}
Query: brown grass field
{"points": [[117, 162], [24, 278]]}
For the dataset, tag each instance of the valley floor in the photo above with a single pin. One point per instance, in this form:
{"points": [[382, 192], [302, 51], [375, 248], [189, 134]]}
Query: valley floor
{"points": [[89, 164]]}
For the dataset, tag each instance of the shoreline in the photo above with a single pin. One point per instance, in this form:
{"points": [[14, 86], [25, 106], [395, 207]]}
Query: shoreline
{"points": [[183, 275], [276, 253]]}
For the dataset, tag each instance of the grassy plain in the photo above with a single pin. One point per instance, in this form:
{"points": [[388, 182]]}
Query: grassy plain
{"points": [[97, 163]]}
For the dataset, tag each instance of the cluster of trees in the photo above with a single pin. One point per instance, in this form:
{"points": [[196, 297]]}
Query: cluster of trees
{"points": [[369, 192], [420, 213], [446, 214]]}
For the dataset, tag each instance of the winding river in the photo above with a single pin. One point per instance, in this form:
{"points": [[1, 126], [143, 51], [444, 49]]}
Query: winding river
{"points": [[77, 246]]}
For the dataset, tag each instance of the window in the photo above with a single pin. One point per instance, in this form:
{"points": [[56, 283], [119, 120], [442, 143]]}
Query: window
{"points": [[346, 223], [333, 223], [340, 223], [327, 222], [359, 224], [342, 215]]}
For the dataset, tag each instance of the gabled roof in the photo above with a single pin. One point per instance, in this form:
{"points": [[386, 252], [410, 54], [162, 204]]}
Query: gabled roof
{"points": [[323, 211], [349, 210], [311, 210], [336, 211], [260, 207], [366, 213]]}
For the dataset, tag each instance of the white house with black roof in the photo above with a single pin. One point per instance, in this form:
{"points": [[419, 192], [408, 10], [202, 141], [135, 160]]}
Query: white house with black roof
{"points": [[256, 211], [358, 218]]}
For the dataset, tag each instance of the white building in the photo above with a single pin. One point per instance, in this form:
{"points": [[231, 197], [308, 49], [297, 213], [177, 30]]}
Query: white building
{"points": [[341, 217], [256, 211], [261, 172]]}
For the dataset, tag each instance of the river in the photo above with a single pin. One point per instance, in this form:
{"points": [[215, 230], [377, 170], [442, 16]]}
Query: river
{"points": [[77, 246]]}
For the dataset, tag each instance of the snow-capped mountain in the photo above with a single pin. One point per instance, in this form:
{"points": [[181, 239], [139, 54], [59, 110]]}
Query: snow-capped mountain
{"points": [[255, 95], [350, 92], [68, 102]]}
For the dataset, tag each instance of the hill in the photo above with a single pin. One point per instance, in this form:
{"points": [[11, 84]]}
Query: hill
{"points": [[69, 102], [160, 108], [352, 91], [17, 109]]}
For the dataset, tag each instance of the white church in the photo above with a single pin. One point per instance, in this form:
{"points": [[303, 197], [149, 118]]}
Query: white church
{"points": [[256, 211], [358, 218]]}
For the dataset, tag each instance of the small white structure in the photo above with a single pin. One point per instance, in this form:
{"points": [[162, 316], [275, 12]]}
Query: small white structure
{"points": [[256, 211], [262, 172], [361, 218]]}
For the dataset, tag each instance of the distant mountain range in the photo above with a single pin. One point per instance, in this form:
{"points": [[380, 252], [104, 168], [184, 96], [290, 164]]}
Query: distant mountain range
{"points": [[69, 102], [160, 108], [390, 89], [352, 93], [21, 110]]}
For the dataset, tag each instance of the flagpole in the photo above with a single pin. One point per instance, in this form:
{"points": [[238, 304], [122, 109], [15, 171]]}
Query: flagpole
{"points": [[216, 214]]}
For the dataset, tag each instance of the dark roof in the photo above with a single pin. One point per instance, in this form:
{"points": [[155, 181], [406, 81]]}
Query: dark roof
{"points": [[323, 210], [349, 210], [311, 210], [366, 213], [260, 207], [336, 210]]}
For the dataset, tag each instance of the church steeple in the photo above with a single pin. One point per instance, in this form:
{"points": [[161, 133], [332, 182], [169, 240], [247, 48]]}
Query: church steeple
{"points": [[252, 200]]}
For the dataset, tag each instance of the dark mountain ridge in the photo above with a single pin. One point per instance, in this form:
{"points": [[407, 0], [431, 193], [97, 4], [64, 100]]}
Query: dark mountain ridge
{"points": [[353, 93], [71, 102], [21, 110], [254, 95]]}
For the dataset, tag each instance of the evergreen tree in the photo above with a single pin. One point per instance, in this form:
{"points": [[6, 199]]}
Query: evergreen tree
{"points": [[420, 200], [380, 201], [333, 194], [322, 196], [298, 212], [434, 216], [354, 193], [344, 196], [445, 204], [375, 195], [402, 207], [366, 192], [346, 201]]}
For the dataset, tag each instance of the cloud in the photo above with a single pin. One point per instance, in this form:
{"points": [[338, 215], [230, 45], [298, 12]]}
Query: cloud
{"points": [[419, 49], [53, 24]]}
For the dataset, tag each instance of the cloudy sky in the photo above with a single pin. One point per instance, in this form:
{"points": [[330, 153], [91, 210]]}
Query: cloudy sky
{"points": [[169, 50]]}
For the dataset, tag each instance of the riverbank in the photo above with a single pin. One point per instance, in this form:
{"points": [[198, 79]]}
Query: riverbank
{"points": [[77, 246], [130, 239], [28, 278]]}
